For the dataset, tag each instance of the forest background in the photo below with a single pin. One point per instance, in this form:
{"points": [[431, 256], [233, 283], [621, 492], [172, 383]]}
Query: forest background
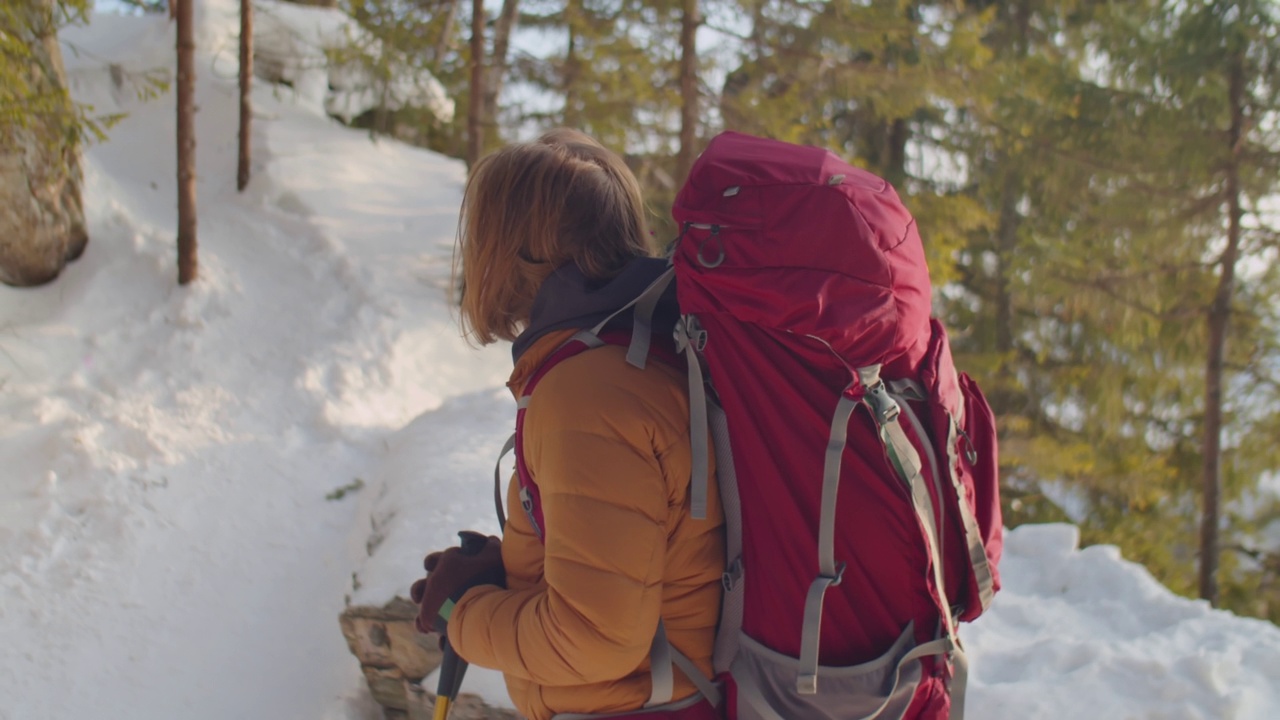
{"points": [[1095, 182]]}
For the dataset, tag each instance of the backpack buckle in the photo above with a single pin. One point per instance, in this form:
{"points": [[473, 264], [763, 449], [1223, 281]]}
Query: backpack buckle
{"points": [[884, 408], [689, 334], [837, 578], [732, 575], [526, 502]]}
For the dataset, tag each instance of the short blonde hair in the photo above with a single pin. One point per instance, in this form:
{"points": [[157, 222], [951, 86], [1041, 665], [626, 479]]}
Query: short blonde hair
{"points": [[530, 208]]}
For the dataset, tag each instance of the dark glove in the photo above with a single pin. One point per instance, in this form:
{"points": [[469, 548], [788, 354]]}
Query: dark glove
{"points": [[450, 573]]}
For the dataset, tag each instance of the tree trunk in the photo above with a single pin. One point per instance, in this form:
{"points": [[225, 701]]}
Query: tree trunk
{"points": [[475, 106], [570, 79], [689, 22], [246, 84], [445, 42], [1006, 246], [187, 266], [1219, 320], [899, 134], [498, 62]]}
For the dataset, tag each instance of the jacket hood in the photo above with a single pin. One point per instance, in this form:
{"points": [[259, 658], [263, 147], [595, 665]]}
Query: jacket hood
{"points": [[569, 300]]}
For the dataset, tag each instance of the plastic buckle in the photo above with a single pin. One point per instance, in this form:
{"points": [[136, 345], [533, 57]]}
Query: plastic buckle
{"points": [[732, 575], [807, 684], [884, 407], [839, 576], [689, 334]]}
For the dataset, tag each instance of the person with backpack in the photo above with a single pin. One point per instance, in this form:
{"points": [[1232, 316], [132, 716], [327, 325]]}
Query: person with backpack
{"points": [[612, 563], [855, 467]]}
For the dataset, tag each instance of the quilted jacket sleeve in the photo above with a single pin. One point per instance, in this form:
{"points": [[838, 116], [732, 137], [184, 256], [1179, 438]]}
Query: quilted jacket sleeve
{"points": [[595, 447]]}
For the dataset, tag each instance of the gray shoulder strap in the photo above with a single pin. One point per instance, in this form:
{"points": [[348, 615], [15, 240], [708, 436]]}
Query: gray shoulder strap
{"points": [[690, 340], [664, 682], [707, 688], [644, 303], [498, 503], [663, 657], [642, 325], [735, 591]]}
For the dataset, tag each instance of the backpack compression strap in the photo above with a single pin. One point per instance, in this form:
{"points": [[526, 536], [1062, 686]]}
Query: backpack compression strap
{"points": [[906, 462], [903, 390]]}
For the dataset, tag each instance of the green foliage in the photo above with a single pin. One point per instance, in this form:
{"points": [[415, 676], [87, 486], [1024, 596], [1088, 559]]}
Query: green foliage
{"points": [[1101, 148], [341, 492], [880, 83], [31, 95], [1067, 161], [403, 37]]}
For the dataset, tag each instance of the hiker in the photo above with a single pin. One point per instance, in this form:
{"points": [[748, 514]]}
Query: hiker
{"points": [[856, 469], [610, 562]]}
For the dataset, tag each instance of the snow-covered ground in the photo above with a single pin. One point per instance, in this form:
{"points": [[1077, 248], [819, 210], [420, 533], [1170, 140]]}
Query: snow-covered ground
{"points": [[166, 546]]}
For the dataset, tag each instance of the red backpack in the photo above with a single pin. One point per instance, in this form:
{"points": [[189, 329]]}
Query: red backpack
{"points": [[857, 468]]}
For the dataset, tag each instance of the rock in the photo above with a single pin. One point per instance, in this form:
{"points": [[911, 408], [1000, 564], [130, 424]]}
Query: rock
{"points": [[395, 657], [41, 216], [386, 638]]}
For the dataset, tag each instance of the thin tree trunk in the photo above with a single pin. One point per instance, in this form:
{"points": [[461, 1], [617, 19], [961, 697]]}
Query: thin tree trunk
{"points": [[246, 84], [899, 134], [498, 62], [1219, 320], [187, 266], [475, 108], [445, 41], [1006, 246], [571, 69], [688, 89]]}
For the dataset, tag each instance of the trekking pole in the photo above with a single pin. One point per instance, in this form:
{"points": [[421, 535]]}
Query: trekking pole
{"points": [[452, 666]]}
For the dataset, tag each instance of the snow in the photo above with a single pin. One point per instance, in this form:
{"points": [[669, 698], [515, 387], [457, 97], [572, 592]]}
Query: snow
{"points": [[298, 43], [166, 545]]}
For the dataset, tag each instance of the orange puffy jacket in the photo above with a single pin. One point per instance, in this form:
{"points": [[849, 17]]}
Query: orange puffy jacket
{"points": [[608, 445]]}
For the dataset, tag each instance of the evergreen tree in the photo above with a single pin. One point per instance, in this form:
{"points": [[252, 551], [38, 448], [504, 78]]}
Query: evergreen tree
{"points": [[1107, 153], [878, 82], [1210, 72]]}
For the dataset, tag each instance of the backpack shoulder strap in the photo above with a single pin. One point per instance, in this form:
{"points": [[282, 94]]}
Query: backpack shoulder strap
{"points": [[579, 343]]}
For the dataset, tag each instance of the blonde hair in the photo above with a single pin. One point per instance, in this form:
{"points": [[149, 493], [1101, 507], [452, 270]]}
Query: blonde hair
{"points": [[530, 208]]}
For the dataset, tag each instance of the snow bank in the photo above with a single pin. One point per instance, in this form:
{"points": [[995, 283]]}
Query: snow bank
{"points": [[316, 49], [1083, 633]]}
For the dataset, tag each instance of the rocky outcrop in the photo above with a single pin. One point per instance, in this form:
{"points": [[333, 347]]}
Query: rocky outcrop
{"points": [[41, 215], [395, 657]]}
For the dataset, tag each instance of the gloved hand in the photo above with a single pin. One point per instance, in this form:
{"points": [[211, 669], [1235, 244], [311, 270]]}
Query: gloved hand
{"points": [[452, 572]]}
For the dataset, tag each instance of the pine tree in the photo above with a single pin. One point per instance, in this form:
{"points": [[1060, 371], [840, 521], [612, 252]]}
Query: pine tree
{"points": [[1097, 300], [1213, 69], [877, 82]]}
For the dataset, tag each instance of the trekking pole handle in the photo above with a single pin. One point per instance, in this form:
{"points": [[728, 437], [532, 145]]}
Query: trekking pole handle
{"points": [[452, 666]]}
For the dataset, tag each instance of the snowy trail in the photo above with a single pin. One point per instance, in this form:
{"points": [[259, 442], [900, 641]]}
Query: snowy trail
{"points": [[226, 542], [170, 552]]}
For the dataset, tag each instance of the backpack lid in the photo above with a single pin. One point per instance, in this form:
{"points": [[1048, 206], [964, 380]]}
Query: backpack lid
{"points": [[803, 243]]}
